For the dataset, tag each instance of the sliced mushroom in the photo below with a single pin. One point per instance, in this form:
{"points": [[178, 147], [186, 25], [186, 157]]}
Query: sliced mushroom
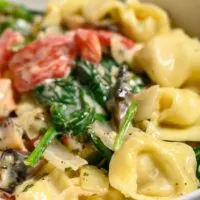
{"points": [[13, 171], [127, 84], [121, 96]]}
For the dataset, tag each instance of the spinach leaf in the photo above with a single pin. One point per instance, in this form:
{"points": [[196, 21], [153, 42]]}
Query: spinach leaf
{"points": [[99, 145], [69, 111], [137, 84], [110, 68], [89, 77], [72, 121], [64, 91], [197, 153]]}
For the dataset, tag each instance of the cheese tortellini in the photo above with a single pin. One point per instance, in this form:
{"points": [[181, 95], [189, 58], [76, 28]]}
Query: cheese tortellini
{"points": [[139, 21], [60, 185], [169, 113], [170, 59], [142, 21], [145, 168]]}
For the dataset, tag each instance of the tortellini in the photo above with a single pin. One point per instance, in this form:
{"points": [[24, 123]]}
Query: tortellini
{"points": [[142, 21], [96, 11], [169, 113], [139, 21], [178, 107], [145, 168], [195, 60], [71, 13], [147, 103], [111, 195], [49, 187], [170, 59], [54, 16], [91, 182]]}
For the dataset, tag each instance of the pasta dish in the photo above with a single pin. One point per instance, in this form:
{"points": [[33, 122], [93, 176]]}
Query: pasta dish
{"points": [[99, 100]]}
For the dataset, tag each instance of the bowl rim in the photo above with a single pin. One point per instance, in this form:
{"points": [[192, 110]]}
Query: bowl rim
{"points": [[192, 196]]}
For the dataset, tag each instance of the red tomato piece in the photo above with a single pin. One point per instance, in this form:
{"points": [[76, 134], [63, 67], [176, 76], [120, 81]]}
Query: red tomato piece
{"points": [[8, 39], [7, 102], [88, 45], [129, 44], [7, 197], [106, 36], [45, 58], [53, 56], [65, 139]]}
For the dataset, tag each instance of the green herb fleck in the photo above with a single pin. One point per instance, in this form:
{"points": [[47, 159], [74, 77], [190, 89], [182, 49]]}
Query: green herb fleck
{"points": [[27, 187]]}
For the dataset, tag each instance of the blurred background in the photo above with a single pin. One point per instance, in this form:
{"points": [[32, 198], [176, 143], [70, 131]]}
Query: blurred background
{"points": [[184, 13], [32, 4]]}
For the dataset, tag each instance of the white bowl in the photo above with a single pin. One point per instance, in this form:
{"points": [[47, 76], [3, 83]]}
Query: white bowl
{"points": [[184, 13], [32, 4]]}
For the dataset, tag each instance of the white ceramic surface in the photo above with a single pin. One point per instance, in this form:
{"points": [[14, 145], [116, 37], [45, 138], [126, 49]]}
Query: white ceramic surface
{"points": [[184, 13], [32, 4]]}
